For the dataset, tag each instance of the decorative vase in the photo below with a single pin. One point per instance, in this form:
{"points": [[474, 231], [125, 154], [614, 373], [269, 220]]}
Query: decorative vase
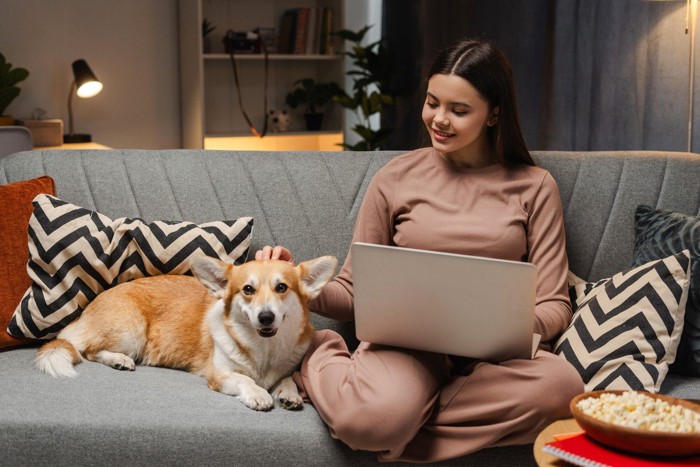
{"points": [[314, 121]]}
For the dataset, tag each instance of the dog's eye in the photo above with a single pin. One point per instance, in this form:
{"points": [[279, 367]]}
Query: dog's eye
{"points": [[248, 290], [281, 288]]}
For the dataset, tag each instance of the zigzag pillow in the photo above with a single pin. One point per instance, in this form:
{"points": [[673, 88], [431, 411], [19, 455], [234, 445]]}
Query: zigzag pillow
{"points": [[76, 253], [626, 329], [578, 289]]}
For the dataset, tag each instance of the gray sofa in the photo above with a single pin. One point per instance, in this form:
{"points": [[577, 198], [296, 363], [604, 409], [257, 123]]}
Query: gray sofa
{"points": [[308, 202]]}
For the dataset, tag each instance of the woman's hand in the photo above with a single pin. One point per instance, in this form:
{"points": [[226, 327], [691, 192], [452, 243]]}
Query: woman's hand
{"points": [[278, 252]]}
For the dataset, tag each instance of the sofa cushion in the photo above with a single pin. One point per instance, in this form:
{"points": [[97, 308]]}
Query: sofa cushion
{"points": [[75, 253], [626, 329], [657, 234], [15, 210]]}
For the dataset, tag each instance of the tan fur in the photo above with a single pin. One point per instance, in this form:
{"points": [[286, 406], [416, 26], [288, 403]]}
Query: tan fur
{"points": [[210, 325]]}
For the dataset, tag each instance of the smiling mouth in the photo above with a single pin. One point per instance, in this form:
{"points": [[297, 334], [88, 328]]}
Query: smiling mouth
{"points": [[267, 332], [442, 134]]}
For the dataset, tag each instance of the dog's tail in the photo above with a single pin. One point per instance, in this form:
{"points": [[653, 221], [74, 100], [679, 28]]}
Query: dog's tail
{"points": [[57, 358]]}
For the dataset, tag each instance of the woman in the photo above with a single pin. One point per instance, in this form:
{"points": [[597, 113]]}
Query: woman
{"points": [[476, 191]]}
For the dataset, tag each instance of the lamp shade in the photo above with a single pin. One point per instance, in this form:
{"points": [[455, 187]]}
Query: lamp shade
{"points": [[87, 84]]}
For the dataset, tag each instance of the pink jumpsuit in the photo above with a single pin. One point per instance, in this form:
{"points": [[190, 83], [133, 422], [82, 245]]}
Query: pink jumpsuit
{"points": [[425, 407]]}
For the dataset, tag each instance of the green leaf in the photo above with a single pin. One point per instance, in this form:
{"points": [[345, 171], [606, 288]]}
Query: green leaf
{"points": [[359, 53], [365, 132], [7, 95], [9, 77], [17, 75], [312, 93], [364, 82], [375, 103], [352, 36], [373, 44], [365, 105], [346, 101], [5, 75]]}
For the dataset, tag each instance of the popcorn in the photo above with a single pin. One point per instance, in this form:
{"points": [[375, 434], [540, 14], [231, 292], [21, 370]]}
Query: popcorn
{"points": [[636, 410]]}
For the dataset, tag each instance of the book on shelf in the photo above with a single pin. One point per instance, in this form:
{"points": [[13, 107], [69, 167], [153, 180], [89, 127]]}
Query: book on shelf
{"points": [[582, 450], [325, 39], [268, 38], [287, 31], [306, 31], [312, 33], [301, 30]]}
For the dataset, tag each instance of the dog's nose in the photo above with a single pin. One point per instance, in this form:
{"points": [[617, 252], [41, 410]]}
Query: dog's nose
{"points": [[266, 318]]}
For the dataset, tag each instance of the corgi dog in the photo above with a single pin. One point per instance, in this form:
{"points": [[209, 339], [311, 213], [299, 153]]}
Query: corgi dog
{"points": [[244, 328]]}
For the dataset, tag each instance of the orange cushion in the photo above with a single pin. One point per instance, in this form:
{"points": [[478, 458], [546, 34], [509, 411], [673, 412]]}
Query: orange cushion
{"points": [[15, 210]]}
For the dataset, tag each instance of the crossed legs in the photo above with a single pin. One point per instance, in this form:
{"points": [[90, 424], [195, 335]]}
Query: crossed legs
{"points": [[403, 404]]}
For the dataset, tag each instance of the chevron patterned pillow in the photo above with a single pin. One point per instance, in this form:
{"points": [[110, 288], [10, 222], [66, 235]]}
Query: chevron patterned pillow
{"points": [[625, 331], [76, 253], [657, 234], [579, 288]]}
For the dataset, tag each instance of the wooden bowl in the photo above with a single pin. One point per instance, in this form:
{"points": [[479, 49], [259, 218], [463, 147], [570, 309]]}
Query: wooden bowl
{"points": [[637, 440]]}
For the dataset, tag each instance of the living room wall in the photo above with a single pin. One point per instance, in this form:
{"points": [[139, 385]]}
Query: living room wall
{"points": [[590, 74], [131, 45]]}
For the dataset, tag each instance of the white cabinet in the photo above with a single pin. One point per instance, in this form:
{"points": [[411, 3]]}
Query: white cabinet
{"points": [[210, 108]]}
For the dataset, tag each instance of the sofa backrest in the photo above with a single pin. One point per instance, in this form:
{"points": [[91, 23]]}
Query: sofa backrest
{"points": [[308, 201], [305, 201], [600, 192]]}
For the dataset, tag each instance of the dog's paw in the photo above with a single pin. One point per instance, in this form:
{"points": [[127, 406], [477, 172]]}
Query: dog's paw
{"points": [[116, 360], [288, 397], [291, 402], [127, 364], [256, 398]]}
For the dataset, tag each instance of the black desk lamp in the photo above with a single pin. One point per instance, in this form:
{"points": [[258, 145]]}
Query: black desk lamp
{"points": [[85, 85]]}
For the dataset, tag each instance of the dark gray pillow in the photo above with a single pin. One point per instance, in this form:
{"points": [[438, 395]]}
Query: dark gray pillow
{"points": [[659, 233]]}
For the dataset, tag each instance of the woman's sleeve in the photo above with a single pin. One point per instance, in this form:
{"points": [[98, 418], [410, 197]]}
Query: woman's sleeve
{"points": [[374, 224], [547, 250]]}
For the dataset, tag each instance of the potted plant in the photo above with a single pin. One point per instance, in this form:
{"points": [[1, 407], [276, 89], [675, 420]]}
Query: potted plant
{"points": [[314, 95], [373, 81], [9, 77]]}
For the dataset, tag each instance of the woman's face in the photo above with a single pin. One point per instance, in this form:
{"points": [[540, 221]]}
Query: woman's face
{"points": [[456, 117]]}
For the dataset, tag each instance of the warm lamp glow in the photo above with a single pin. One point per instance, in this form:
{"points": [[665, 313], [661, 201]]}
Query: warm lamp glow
{"points": [[324, 141], [89, 89]]}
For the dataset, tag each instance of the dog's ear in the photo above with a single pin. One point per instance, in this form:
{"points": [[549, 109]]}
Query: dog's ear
{"points": [[316, 273], [212, 273]]}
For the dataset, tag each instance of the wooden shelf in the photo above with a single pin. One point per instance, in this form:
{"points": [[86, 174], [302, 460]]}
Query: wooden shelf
{"points": [[92, 145], [287, 141], [271, 134], [309, 57], [207, 87]]}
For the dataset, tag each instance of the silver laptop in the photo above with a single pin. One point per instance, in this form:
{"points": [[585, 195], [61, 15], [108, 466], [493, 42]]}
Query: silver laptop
{"points": [[455, 304]]}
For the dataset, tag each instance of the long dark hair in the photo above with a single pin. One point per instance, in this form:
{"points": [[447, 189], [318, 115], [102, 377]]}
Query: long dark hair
{"points": [[487, 69]]}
